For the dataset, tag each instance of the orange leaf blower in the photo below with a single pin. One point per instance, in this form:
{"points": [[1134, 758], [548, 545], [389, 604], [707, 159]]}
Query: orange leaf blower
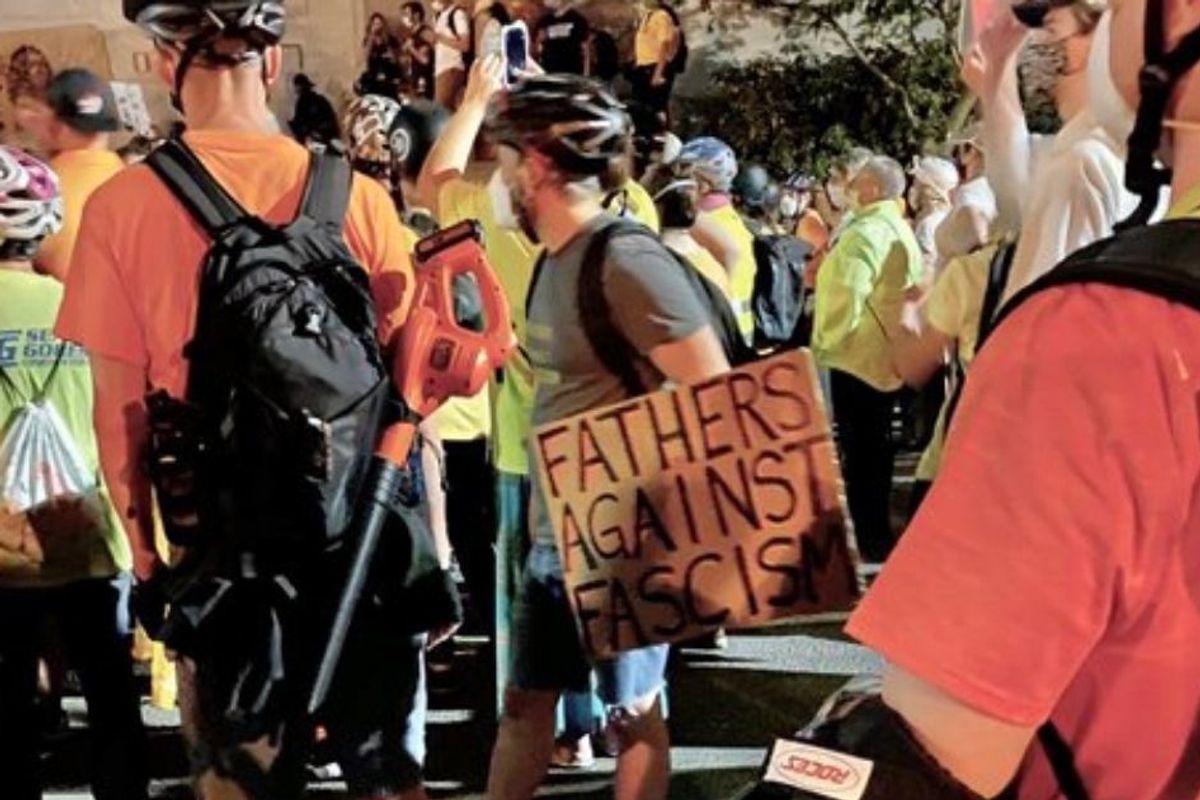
{"points": [[437, 357]]}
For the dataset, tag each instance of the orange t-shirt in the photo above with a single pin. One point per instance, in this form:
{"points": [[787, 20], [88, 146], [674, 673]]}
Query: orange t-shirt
{"points": [[1054, 569], [133, 286], [80, 173]]}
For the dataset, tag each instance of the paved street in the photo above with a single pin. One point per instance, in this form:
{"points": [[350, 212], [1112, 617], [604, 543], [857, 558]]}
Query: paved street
{"points": [[725, 708]]}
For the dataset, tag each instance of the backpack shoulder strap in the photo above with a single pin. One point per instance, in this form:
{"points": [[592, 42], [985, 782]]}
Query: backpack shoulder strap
{"points": [[41, 393], [538, 266], [188, 179], [999, 271], [1158, 259], [49, 382], [327, 195], [595, 315]]}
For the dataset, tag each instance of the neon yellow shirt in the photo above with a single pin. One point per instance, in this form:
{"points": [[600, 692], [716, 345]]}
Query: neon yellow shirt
{"points": [[513, 257], [634, 201], [29, 304], [860, 294], [741, 280]]}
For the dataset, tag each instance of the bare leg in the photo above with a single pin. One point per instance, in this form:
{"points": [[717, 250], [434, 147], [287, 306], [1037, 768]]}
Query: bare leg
{"points": [[644, 763], [523, 746]]}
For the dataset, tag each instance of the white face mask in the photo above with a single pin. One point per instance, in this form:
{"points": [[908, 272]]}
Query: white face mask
{"points": [[502, 203], [1105, 101], [838, 196], [789, 206]]}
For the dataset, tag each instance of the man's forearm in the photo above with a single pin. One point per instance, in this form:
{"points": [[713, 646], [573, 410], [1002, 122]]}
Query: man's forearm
{"points": [[122, 434]]}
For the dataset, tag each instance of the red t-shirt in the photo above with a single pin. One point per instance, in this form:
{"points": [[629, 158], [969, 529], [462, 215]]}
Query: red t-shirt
{"points": [[1054, 570]]}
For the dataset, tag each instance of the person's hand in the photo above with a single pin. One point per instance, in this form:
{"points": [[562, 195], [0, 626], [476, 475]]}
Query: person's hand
{"points": [[532, 70], [148, 601], [146, 564], [486, 81], [440, 636], [998, 44], [1002, 39], [659, 79], [974, 70]]}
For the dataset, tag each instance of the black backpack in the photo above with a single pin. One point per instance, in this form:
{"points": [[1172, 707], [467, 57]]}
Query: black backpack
{"points": [[287, 389], [778, 300], [610, 346]]}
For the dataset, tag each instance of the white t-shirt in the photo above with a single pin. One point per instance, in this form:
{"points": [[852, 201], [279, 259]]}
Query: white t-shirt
{"points": [[445, 57], [1072, 193], [977, 194], [926, 232]]}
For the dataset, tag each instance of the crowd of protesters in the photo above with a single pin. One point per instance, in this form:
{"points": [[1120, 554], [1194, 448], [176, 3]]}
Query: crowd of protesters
{"points": [[903, 265]]}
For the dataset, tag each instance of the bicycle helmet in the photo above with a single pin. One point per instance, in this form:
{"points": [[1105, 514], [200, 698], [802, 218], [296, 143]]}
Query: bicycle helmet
{"points": [[31, 206], [194, 27], [575, 121], [799, 182], [752, 184], [712, 160], [189, 22], [368, 127], [386, 138]]}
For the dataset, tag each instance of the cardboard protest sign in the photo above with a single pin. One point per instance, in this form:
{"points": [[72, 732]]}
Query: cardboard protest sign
{"points": [[712, 505]]}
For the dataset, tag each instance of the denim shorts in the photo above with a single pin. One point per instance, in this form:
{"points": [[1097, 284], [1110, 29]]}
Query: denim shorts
{"points": [[548, 654]]}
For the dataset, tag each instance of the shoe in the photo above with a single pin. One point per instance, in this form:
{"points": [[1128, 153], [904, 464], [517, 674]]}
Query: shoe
{"points": [[573, 754]]}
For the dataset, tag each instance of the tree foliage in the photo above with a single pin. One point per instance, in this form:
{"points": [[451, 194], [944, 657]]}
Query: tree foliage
{"points": [[888, 80]]}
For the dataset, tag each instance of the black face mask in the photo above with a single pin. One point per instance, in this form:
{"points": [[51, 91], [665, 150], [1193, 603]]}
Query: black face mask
{"points": [[1157, 80]]}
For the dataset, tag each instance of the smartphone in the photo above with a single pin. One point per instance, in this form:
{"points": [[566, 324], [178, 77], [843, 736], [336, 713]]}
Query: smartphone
{"points": [[515, 47]]}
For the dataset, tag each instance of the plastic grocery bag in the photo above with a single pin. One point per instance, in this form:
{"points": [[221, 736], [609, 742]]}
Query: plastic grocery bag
{"points": [[47, 493], [39, 460]]}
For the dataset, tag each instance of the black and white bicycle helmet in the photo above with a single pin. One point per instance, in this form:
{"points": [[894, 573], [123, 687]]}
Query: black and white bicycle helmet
{"points": [[578, 123]]}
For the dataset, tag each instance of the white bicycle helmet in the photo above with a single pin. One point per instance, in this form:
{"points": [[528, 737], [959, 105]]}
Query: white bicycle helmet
{"points": [[31, 205], [712, 160]]}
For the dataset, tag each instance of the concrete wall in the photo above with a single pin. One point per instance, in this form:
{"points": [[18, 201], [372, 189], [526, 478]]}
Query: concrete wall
{"points": [[326, 33]]}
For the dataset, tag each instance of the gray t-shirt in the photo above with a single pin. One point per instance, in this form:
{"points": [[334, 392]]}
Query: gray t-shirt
{"points": [[652, 304]]}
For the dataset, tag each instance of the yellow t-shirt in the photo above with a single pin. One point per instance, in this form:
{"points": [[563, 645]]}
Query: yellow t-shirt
{"points": [[513, 257], [741, 281], [953, 308], [704, 262], [634, 201], [656, 31], [80, 173]]}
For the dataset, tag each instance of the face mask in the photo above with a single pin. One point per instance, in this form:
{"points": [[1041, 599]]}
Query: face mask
{"points": [[1106, 102], [1042, 66], [502, 203], [789, 207], [837, 195]]}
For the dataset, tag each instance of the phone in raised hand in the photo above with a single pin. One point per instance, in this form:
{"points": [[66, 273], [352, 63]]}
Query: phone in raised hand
{"points": [[515, 49]]}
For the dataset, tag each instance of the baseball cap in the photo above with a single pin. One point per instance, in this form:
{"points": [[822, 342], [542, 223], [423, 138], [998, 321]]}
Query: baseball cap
{"points": [[84, 101]]}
